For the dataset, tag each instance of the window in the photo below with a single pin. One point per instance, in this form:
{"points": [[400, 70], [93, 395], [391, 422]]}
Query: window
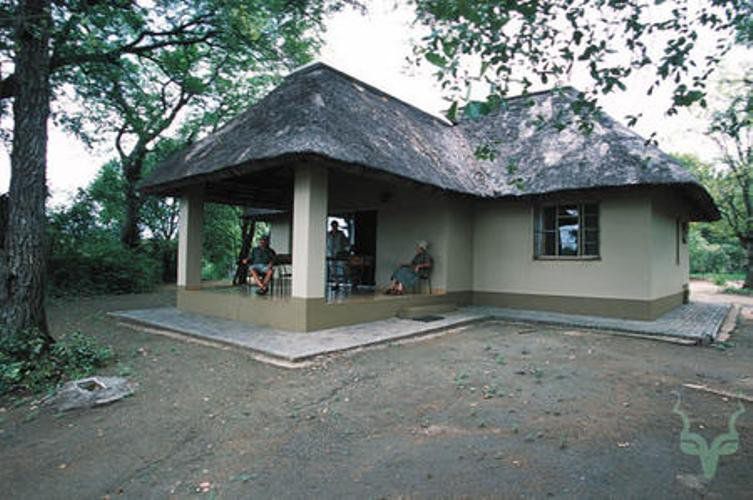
{"points": [[567, 231]]}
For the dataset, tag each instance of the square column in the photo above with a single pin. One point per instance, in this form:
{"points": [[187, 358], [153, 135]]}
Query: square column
{"points": [[190, 238], [309, 231]]}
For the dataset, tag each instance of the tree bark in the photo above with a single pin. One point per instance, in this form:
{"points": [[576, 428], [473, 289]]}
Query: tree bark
{"points": [[749, 271], [25, 239], [247, 235], [130, 234]]}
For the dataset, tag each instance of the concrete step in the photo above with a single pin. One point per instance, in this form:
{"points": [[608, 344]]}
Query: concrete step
{"points": [[413, 312]]}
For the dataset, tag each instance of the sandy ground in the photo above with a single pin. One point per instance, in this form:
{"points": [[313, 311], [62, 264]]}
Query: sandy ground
{"points": [[705, 291], [495, 409]]}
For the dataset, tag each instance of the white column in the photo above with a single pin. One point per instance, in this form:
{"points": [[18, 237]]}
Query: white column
{"points": [[309, 231], [190, 238]]}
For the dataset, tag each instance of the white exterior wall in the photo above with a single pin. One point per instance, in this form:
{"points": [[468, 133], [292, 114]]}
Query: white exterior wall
{"points": [[668, 277], [487, 246], [190, 238], [309, 231], [503, 252]]}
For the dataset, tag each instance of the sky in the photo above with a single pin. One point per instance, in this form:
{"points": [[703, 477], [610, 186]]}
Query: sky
{"points": [[374, 48]]}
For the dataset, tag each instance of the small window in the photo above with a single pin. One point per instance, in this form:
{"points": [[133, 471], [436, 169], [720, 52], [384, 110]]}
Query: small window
{"points": [[567, 231]]}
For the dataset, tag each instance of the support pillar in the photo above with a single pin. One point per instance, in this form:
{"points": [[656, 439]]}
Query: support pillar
{"points": [[309, 231], [190, 238]]}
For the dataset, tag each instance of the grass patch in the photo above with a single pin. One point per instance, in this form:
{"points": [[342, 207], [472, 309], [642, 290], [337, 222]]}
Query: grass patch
{"points": [[733, 290], [719, 279]]}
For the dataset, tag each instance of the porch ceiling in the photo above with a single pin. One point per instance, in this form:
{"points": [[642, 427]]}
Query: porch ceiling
{"points": [[269, 184]]}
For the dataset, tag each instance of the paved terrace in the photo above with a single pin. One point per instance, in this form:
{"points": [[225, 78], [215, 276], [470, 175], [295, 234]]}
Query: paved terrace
{"points": [[688, 324]]}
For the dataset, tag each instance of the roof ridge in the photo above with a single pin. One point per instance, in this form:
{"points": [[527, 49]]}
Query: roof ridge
{"points": [[312, 66]]}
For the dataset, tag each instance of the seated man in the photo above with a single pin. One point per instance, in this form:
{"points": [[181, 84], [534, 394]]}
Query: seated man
{"points": [[406, 275], [262, 261]]}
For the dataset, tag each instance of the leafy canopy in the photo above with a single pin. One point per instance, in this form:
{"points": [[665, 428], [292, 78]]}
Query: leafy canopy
{"points": [[514, 45]]}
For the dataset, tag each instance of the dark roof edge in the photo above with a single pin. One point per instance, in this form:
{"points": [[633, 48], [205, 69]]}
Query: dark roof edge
{"points": [[698, 194]]}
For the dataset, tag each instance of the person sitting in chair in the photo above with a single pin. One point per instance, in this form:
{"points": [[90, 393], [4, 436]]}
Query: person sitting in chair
{"points": [[262, 261], [406, 275]]}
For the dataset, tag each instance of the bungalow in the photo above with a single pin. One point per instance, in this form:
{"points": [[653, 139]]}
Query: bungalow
{"points": [[552, 219]]}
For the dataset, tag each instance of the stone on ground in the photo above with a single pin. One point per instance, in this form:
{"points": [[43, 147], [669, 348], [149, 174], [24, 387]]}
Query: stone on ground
{"points": [[90, 392]]}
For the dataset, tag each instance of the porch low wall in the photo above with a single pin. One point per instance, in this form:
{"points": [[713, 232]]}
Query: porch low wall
{"points": [[592, 306], [303, 315]]}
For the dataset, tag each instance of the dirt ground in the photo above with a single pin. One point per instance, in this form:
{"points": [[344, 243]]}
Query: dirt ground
{"points": [[495, 409]]}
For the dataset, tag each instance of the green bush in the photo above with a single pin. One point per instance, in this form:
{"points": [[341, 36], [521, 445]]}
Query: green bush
{"points": [[26, 364], [103, 268], [719, 280]]}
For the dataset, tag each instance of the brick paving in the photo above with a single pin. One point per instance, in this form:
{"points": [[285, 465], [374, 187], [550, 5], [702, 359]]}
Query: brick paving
{"points": [[691, 321], [695, 320]]}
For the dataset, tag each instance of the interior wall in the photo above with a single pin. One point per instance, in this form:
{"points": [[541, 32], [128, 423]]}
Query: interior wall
{"points": [[281, 234], [407, 213], [408, 218], [503, 254]]}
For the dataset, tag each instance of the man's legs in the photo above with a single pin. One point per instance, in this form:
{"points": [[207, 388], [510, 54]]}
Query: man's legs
{"points": [[267, 277], [255, 276]]}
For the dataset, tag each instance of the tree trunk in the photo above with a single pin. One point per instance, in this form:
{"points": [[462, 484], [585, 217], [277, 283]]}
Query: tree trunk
{"points": [[25, 239], [3, 259], [749, 271], [247, 235], [130, 234]]}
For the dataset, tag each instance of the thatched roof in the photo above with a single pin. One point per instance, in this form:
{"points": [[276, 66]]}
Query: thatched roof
{"points": [[320, 111]]}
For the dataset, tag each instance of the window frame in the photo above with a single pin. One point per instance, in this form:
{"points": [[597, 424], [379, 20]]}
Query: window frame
{"points": [[538, 231]]}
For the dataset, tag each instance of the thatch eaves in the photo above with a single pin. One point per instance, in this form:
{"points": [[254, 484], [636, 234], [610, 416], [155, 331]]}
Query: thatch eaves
{"points": [[539, 149], [320, 111]]}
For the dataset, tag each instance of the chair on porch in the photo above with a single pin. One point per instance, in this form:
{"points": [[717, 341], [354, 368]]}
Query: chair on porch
{"points": [[282, 276], [423, 277]]}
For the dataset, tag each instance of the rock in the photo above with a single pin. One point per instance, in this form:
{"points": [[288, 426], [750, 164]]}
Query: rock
{"points": [[692, 482], [90, 392]]}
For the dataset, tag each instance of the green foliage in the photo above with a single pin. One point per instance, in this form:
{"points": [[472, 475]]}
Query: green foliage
{"points": [[27, 364], [715, 247], [106, 193], [503, 46], [203, 63], [86, 257], [747, 292], [724, 255], [222, 240], [100, 267]]}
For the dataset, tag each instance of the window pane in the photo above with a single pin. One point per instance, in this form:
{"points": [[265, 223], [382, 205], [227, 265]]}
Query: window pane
{"points": [[568, 234], [549, 243], [548, 215], [591, 243], [591, 216], [568, 211], [591, 209]]}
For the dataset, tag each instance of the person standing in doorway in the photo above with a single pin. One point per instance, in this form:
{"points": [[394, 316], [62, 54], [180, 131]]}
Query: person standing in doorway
{"points": [[338, 247]]}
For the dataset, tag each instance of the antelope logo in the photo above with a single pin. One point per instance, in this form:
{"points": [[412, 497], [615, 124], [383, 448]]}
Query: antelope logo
{"points": [[695, 444]]}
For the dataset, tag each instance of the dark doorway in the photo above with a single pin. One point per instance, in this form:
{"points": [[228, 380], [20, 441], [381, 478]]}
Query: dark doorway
{"points": [[365, 242]]}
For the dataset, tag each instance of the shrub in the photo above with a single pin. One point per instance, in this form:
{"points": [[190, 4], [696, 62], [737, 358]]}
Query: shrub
{"points": [[719, 279], [103, 268], [26, 364]]}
